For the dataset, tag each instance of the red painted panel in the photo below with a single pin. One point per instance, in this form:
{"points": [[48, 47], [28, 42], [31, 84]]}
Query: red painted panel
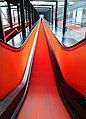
{"points": [[12, 64], [71, 61]]}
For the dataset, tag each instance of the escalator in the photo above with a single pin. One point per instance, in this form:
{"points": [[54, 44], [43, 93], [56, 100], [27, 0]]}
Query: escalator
{"points": [[56, 89], [43, 100]]}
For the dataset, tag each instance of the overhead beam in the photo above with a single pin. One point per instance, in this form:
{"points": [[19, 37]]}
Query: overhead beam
{"points": [[42, 2], [42, 5], [43, 8]]}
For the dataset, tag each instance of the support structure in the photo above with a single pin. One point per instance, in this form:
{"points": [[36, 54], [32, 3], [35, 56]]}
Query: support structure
{"points": [[36, 16], [32, 14], [22, 18], [56, 14], [45, 14], [18, 14], [64, 17], [26, 13], [29, 14], [14, 15], [28, 17], [52, 14], [2, 35], [9, 15]]}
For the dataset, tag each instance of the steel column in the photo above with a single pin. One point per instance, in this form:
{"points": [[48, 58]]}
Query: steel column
{"points": [[64, 18], [2, 35], [26, 3], [52, 14], [18, 14], [14, 15], [32, 14], [29, 15], [22, 17], [56, 14], [9, 14]]}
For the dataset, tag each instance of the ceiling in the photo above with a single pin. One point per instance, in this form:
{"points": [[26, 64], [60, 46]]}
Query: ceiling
{"points": [[58, 0], [41, 9], [14, 1], [50, 2], [43, 4]]}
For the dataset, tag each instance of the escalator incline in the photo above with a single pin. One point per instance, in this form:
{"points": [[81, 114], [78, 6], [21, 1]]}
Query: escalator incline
{"points": [[43, 100]]}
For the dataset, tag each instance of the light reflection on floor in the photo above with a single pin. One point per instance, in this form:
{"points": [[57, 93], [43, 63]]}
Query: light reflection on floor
{"points": [[18, 40], [70, 37]]}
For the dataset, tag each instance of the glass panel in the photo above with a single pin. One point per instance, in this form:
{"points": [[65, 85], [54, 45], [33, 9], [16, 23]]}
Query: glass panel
{"points": [[75, 22], [4, 13], [14, 15], [5, 16], [60, 15]]}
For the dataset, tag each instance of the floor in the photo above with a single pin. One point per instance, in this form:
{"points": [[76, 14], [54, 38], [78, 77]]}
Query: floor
{"points": [[71, 37]]}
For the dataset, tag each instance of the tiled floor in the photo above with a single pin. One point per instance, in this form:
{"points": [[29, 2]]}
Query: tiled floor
{"points": [[70, 38], [18, 40]]}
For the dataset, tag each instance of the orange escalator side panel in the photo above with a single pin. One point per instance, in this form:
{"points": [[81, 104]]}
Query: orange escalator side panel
{"points": [[12, 65], [72, 63]]}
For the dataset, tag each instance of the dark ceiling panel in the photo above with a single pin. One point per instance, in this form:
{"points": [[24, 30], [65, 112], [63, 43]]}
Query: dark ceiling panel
{"points": [[12, 1]]}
